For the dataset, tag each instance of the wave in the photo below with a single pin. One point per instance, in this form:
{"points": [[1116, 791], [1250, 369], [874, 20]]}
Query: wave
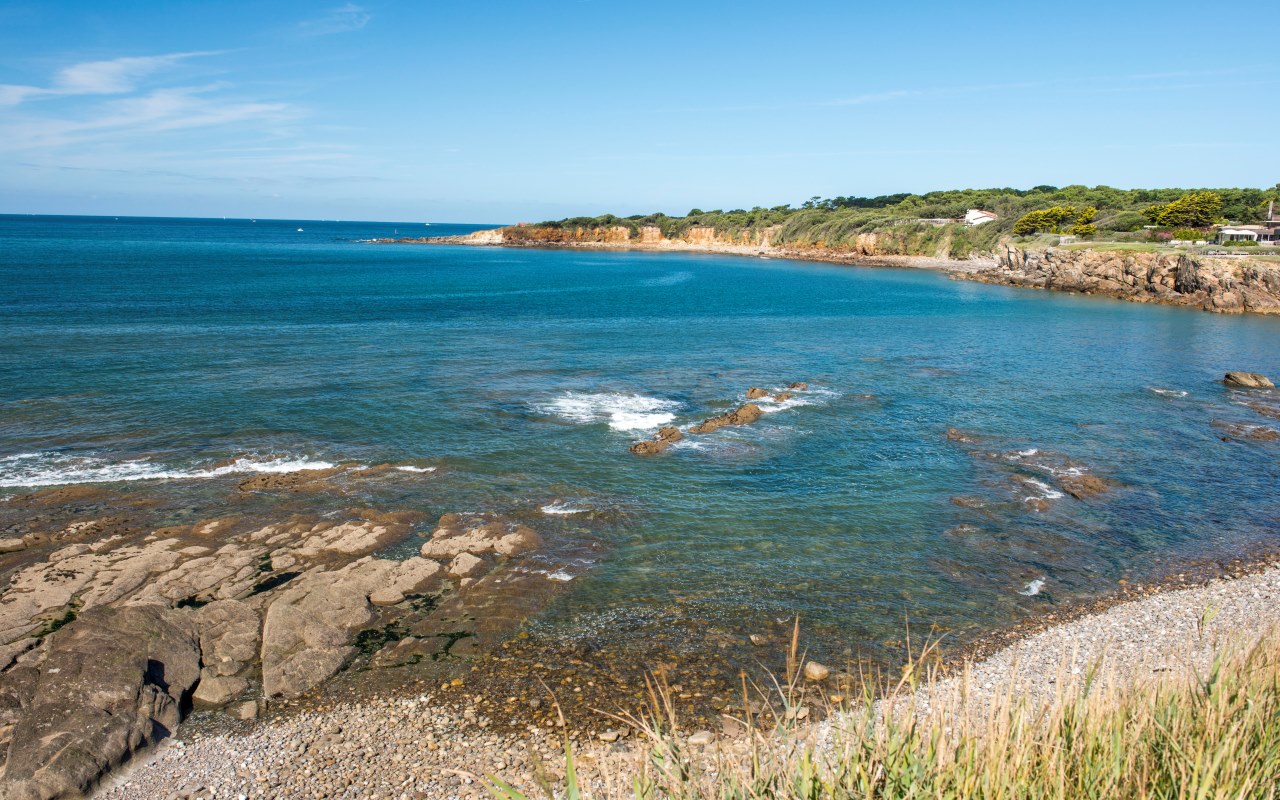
{"points": [[623, 412], [1163, 392], [57, 469], [1047, 492], [1033, 588], [798, 398], [674, 279], [411, 468], [561, 508]]}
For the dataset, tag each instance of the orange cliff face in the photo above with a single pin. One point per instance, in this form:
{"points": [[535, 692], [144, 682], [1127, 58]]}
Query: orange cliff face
{"points": [[648, 235]]}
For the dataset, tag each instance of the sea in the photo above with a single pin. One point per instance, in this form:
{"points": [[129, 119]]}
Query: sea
{"points": [[918, 482]]}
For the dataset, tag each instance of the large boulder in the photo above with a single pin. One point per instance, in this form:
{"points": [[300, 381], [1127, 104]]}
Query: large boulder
{"points": [[1248, 380], [229, 636], [112, 681]]}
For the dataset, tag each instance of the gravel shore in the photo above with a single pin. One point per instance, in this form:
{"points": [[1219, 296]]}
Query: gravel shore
{"points": [[436, 745]]}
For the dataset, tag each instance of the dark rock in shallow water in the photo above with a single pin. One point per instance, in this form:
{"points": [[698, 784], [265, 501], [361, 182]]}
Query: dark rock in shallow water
{"points": [[743, 415], [1248, 380], [109, 683], [1083, 485]]}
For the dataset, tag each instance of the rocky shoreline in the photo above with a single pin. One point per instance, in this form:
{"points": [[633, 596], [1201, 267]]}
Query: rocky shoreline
{"points": [[1223, 285], [442, 742]]}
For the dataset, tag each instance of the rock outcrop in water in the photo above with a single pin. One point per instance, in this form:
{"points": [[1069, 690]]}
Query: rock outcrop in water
{"points": [[660, 442], [1223, 285], [743, 415], [1248, 380]]}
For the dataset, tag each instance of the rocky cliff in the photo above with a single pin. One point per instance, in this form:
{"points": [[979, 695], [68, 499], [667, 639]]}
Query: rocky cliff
{"points": [[1215, 284]]}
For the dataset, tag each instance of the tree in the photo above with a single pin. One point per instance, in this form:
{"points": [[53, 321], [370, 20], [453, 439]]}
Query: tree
{"points": [[1048, 219], [1192, 210]]}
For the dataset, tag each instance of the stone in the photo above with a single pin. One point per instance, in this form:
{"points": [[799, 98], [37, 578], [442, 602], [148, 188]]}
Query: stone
{"points": [[386, 596], [214, 690], [464, 565], [609, 736], [110, 682], [12, 545], [782, 397], [816, 672], [799, 385], [670, 434], [1248, 380], [758, 640], [756, 393], [702, 738], [478, 534], [244, 711]]}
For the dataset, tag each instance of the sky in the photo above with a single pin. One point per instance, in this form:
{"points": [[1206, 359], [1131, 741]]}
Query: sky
{"points": [[496, 111]]}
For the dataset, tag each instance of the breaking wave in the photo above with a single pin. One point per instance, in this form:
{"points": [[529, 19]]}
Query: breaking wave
{"points": [[623, 412], [57, 469]]}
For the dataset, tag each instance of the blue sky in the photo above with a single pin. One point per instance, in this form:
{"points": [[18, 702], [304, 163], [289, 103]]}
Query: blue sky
{"points": [[493, 111]]}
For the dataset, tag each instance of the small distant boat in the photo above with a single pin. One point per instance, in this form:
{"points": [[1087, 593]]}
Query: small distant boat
{"points": [[428, 224], [299, 230]]}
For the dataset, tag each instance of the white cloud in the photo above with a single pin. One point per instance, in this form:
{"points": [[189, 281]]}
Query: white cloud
{"points": [[349, 17], [114, 76]]}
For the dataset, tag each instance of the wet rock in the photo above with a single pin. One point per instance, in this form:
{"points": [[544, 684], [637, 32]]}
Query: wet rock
{"points": [[1260, 433], [670, 434], [649, 447], [798, 385], [478, 534], [12, 545], [816, 672], [109, 683], [743, 415], [756, 393], [214, 690], [1083, 485], [782, 397], [957, 435], [302, 480], [1248, 380]]}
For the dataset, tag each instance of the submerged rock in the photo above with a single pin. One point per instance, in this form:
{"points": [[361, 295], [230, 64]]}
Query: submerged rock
{"points": [[1248, 380], [1083, 485]]}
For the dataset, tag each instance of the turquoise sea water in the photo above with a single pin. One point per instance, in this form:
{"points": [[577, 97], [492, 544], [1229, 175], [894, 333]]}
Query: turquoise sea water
{"points": [[162, 356]]}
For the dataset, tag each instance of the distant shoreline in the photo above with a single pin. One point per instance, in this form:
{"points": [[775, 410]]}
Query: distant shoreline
{"points": [[750, 251]]}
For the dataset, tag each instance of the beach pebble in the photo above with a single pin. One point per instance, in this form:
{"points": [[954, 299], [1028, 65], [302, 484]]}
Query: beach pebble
{"points": [[702, 738], [815, 671]]}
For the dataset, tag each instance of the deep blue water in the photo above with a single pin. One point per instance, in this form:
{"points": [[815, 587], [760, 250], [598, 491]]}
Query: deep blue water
{"points": [[156, 350]]}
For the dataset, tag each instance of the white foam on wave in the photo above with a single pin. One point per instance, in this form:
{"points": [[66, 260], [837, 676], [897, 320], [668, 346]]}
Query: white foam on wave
{"points": [[56, 469], [798, 398], [1033, 588], [623, 412], [1163, 392], [412, 468], [562, 509], [673, 279], [559, 575], [1047, 492]]}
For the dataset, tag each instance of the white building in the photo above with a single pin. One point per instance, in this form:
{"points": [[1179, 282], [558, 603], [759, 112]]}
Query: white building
{"points": [[975, 217]]}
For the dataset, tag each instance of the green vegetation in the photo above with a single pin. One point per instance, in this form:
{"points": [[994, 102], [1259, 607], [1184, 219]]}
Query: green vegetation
{"points": [[909, 224], [1209, 734]]}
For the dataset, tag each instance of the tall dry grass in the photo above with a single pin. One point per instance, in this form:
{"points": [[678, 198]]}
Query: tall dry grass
{"points": [[1212, 732]]}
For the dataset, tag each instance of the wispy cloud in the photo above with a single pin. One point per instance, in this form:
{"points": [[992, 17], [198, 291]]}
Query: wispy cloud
{"points": [[113, 76], [349, 17]]}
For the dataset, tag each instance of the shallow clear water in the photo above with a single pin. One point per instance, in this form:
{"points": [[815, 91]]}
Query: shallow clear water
{"points": [[156, 350]]}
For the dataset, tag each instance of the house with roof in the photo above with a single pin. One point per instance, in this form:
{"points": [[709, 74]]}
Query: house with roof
{"points": [[976, 216], [1266, 233]]}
